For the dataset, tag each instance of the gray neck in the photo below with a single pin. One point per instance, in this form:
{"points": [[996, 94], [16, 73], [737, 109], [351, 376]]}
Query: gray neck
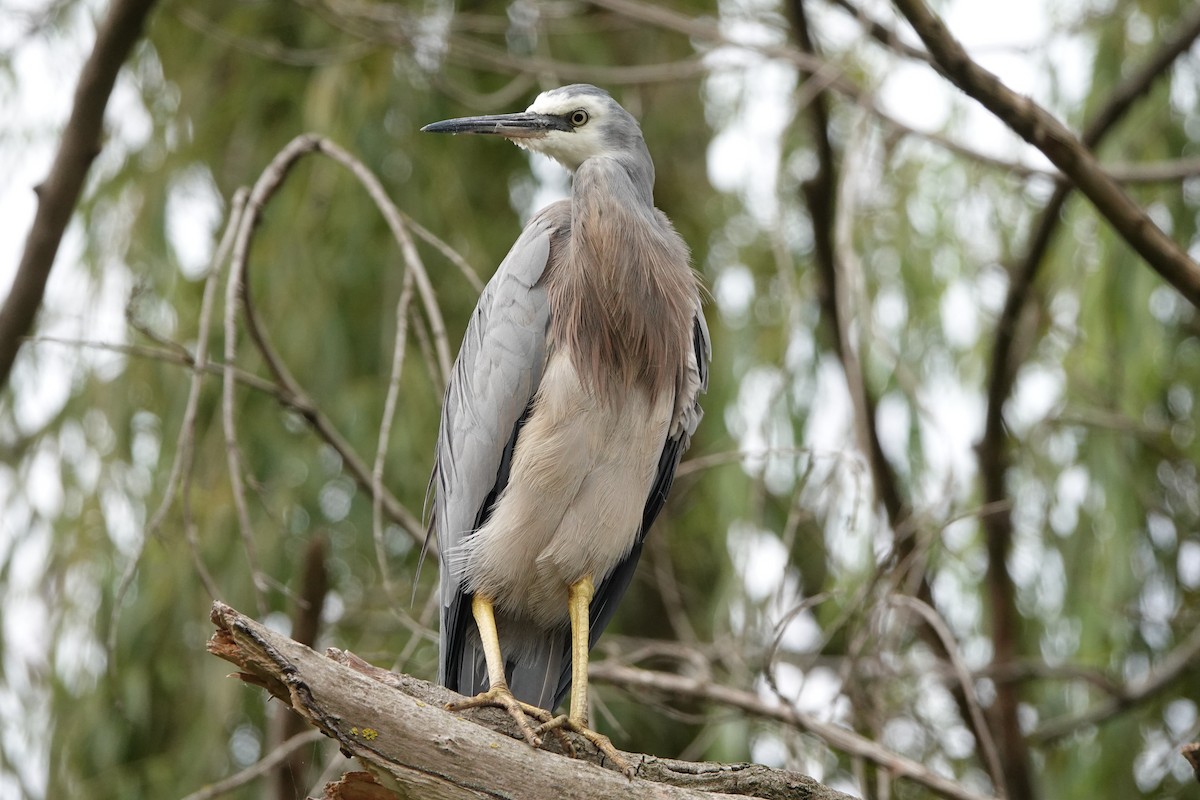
{"points": [[641, 172]]}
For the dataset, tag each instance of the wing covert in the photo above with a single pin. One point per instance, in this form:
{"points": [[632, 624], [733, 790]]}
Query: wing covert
{"points": [[496, 373]]}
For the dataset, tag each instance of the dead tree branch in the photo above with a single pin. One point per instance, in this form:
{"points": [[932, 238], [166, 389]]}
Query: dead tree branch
{"points": [[58, 194], [397, 726]]}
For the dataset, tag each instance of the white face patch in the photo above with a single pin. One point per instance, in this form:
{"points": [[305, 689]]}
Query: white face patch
{"points": [[569, 148]]}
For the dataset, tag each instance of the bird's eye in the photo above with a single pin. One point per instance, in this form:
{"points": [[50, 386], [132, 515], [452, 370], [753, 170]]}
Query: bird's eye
{"points": [[578, 117]]}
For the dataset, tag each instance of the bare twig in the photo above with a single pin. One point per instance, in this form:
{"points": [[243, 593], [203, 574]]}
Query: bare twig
{"points": [[186, 438], [385, 427], [991, 757], [271, 177], [412, 261], [641, 680], [1154, 682], [881, 33], [273, 50], [669, 591], [267, 184], [181, 464], [302, 405], [171, 355], [455, 258], [58, 194]]}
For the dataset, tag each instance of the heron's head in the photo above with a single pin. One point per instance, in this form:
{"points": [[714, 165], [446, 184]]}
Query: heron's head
{"points": [[570, 124]]}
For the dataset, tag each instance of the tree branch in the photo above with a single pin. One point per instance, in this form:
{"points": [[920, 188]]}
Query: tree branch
{"points": [[839, 738], [1041, 129], [820, 195], [882, 33], [259, 768], [397, 726], [1176, 663], [59, 193], [267, 184]]}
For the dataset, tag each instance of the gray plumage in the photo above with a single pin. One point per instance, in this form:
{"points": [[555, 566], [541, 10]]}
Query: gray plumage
{"points": [[572, 399]]}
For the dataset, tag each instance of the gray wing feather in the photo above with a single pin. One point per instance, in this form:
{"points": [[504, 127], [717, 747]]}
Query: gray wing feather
{"points": [[495, 375]]}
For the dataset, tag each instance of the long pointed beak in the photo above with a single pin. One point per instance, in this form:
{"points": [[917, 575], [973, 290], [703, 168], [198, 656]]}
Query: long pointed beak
{"points": [[511, 126]]}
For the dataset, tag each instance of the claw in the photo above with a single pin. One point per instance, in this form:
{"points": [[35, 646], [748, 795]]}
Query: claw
{"points": [[598, 740], [501, 697]]}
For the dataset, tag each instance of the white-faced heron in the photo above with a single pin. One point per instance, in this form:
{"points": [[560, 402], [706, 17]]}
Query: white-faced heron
{"points": [[573, 397]]}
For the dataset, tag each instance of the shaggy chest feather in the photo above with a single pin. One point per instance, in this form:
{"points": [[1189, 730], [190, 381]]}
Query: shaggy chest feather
{"points": [[622, 295]]}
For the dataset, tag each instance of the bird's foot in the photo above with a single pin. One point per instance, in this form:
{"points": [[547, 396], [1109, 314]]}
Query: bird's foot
{"points": [[502, 697], [598, 740]]}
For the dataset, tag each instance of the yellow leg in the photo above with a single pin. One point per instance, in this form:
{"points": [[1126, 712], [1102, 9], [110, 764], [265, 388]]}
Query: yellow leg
{"points": [[485, 621], [498, 694], [579, 601]]}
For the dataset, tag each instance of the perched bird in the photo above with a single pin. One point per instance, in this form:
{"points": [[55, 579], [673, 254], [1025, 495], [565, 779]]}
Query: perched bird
{"points": [[574, 395]]}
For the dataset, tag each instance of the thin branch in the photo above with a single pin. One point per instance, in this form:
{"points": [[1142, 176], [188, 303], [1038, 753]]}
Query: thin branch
{"points": [[1154, 682], [399, 346], [58, 194], [502, 98], [668, 590], [273, 50], [642, 680], [455, 258], [725, 457], [881, 33], [187, 434], [267, 184], [365, 20], [412, 260], [257, 769], [302, 406], [991, 757], [186, 438], [1041, 129], [263, 187], [474, 52], [214, 367], [1169, 171]]}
